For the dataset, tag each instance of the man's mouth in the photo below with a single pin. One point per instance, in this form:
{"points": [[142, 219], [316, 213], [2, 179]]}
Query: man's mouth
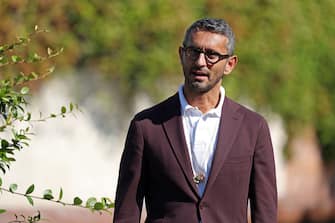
{"points": [[199, 72], [199, 75]]}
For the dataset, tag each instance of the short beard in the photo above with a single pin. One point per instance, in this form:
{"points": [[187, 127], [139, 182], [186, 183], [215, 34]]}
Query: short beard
{"points": [[196, 87]]}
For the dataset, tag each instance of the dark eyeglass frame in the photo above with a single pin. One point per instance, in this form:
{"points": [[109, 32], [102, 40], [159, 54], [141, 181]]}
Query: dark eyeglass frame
{"points": [[194, 53]]}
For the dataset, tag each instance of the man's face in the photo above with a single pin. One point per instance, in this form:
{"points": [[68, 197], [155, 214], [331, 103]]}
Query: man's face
{"points": [[200, 74]]}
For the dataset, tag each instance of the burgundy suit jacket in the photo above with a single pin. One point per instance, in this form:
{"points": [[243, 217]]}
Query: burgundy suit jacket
{"points": [[155, 164]]}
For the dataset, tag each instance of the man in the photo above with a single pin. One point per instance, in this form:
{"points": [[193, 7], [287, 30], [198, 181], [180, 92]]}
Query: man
{"points": [[198, 156]]}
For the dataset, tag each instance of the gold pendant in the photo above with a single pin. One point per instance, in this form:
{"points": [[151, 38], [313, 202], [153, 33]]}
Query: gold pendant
{"points": [[199, 178]]}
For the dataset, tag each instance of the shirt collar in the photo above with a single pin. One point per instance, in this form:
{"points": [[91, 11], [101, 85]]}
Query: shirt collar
{"points": [[185, 106]]}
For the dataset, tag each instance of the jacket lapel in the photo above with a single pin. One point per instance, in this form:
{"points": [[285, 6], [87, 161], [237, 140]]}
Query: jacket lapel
{"points": [[230, 123], [174, 130]]}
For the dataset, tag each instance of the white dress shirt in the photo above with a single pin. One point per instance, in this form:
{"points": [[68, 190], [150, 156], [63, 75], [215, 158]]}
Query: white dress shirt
{"points": [[201, 132]]}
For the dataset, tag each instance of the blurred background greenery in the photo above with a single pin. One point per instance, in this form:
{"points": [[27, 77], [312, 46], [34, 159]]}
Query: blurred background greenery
{"points": [[285, 48]]}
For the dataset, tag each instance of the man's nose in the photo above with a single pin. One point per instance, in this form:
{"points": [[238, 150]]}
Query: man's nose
{"points": [[201, 60]]}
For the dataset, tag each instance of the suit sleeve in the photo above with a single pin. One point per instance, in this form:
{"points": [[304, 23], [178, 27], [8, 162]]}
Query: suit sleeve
{"points": [[130, 187], [263, 189]]}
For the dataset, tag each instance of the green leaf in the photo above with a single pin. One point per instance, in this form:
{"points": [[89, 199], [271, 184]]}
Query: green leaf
{"points": [[47, 195], [2, 59], [4, 143], [12, 188], [98, 206], [2, 169], [22, 137], [47, 191], [30, 189], [77, 201], [2, 211], [91, 202], [71, 106], [107, 202], [36, 57], [0, 182], [11, 159], [24, 90], [16, 58], [63, 109], [53, 116], [28, 119], [30, 200], [60, 194]]}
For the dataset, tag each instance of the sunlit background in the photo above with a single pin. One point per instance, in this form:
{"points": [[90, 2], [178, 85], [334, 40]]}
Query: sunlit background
{"points": [[121, 56]]}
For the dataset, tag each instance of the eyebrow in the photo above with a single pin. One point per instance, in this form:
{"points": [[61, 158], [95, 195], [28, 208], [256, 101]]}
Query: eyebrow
{"points": [[207, 50]]}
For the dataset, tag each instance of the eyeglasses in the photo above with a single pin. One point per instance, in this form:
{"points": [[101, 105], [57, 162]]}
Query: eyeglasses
{"points": [[211, 56]]}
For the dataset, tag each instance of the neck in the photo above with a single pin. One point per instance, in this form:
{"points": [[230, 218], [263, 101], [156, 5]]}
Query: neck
{"points": [[204, 101]]}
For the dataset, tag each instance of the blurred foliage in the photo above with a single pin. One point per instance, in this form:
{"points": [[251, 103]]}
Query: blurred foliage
{"points": [[285, 48], [132, 42], [286, 51], [16, 121]]}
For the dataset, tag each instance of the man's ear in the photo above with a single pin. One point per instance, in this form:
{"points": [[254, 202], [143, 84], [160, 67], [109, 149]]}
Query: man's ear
{"points": [[180, 51], [230, 65]]}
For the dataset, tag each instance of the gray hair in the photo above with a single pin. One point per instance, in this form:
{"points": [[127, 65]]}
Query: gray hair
{"points": [[215, 26]]}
